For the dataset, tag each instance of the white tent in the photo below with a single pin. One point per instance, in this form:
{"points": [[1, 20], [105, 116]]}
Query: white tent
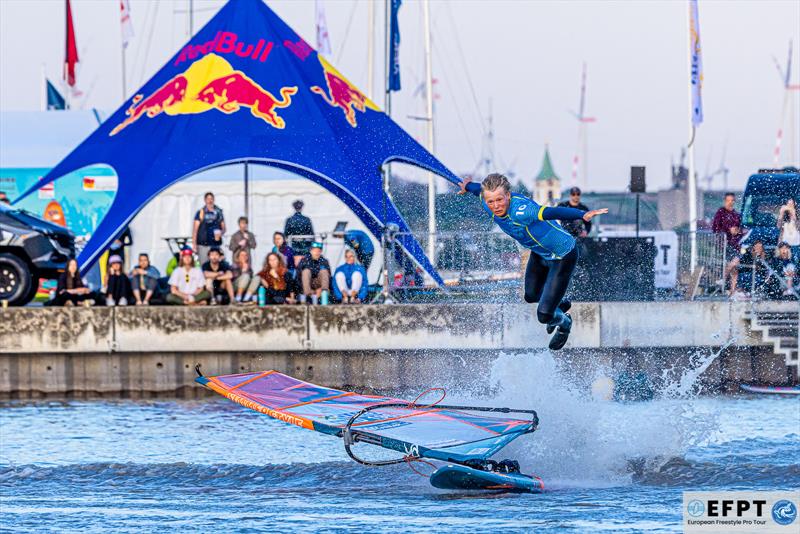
{"points": [[171, 214]]}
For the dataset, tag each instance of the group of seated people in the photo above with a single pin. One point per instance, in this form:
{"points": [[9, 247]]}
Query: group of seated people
{"points": [[772, 276], [286, 277]]}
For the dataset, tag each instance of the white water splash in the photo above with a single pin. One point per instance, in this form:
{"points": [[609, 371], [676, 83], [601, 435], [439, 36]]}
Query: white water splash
{"points": [[586, 442]]}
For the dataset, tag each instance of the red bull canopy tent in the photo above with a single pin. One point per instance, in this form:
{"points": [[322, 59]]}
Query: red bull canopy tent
{"points": [[248, 88]]}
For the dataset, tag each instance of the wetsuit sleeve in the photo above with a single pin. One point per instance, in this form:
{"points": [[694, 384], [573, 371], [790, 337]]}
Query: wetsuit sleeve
{"points": [[563, 214], [474, 188]]}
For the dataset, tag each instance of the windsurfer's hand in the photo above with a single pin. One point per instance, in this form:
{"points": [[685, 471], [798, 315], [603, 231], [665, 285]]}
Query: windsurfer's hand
{"points": [[463, 185], [589, 214]]}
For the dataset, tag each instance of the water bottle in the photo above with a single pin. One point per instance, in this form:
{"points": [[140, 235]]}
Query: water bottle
{"points": [[262, 296], [324, 297]]}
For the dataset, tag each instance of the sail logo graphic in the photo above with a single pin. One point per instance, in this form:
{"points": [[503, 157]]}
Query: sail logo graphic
{"points": [[412, 451], [209, 83], [342, 94]]}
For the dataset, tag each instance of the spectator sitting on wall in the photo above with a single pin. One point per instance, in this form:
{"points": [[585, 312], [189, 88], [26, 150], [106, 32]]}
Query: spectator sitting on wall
{"points": [[350, 281], [298, 225], [276, 280], [243, 239], [187, 284], [209, 226], [244, 281], [360, 242], [753, 272], [789, 225], [219, 277], [282, 247], [315, 274], [71, 290], [118, 287], [728, 222], [144, 280], [578, 227], [785, 266]]}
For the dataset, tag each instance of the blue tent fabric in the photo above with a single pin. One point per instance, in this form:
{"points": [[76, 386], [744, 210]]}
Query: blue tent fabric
{"points": [[248, 88]]}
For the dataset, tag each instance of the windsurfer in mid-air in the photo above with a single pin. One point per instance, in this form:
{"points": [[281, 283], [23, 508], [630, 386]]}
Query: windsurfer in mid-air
{"points": [[553, 252]]}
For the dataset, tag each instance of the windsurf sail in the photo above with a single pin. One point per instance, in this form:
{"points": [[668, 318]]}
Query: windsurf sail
{"points": [[448, 433]]}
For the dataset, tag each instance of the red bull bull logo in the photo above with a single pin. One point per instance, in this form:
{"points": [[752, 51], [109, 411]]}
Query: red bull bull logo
{"points": [[209, 83], [342, 94]]}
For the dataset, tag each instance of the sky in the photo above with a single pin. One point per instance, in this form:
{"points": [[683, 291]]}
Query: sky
{"points": [[520, 58]]}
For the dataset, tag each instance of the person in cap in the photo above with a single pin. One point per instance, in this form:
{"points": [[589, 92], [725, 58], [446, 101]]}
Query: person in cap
{"points": [[299, 225], [219, 277], [118, 286], [187, 285], [576, 227], [553, 252], [315, 274]]}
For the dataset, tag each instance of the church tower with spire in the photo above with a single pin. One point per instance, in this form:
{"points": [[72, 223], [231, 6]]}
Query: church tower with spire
{"points": [[547, 188]]}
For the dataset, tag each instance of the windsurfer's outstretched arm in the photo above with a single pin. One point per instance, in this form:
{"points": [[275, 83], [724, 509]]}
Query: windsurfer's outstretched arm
{"points": [[468, 186], [569, 214]]}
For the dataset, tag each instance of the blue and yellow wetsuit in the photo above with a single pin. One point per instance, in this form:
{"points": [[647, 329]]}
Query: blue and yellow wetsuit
{"points": [[553, 253]]}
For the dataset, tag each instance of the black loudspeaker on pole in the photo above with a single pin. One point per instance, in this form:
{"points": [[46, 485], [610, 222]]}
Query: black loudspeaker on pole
{"points": [[637, 186]]}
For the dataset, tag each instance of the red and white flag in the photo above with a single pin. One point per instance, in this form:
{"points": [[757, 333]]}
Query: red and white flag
{"points": [[125, 20], [71, 56]]}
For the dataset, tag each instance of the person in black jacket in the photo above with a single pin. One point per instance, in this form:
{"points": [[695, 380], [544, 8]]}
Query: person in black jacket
{"points": [[71, 289], [118, 289], [298, 225], [315, 274], [578, 227]]}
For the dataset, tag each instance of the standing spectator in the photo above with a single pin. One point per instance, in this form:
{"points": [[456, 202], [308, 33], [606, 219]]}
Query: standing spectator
{"points": [[299, 225], [219, 277], [350, 281], [209, 226], [70, 289], [276, 280], [728, 221], [243, 239], [187, 285], [117, 246], [578, 227], [243, 280], [789, 225], [118, 289], [144, 280], [785, 266], [315, 274], [360, 242]]}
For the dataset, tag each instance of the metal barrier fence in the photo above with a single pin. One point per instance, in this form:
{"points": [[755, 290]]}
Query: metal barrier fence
{"points": [[709, 276]]}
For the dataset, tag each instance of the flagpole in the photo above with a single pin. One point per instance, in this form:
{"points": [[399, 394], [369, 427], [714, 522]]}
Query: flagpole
{"points": [[429, 118], [692, 181], [387, 104], [371, 50], [124, 84], [44, 89], [387, 97]]}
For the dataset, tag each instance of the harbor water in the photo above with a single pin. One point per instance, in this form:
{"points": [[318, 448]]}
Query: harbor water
{"points": [[210, 464]]}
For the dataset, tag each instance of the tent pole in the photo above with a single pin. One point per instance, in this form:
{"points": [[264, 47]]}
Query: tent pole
{"points": [[387, 100], [246, 191], [429, 111], [371, 50]]}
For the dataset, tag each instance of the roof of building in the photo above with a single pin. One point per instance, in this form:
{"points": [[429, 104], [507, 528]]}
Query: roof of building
{"points": [[547, 172]]}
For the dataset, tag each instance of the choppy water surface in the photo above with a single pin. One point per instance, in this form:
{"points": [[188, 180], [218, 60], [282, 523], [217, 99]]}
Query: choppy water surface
{"points": [[210, 464]]}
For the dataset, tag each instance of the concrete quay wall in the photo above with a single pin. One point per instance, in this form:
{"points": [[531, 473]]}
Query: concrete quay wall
{"points": [[144, 351]]}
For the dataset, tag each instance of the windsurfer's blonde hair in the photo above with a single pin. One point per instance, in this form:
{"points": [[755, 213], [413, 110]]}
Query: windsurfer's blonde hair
{"points": [[494, 181]]}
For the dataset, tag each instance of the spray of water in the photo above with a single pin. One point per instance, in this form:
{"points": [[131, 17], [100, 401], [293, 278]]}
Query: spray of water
{"points": [[586, 442]]}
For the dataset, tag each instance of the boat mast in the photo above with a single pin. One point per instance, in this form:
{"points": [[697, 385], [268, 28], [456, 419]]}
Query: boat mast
{"points": [[429, 123]]}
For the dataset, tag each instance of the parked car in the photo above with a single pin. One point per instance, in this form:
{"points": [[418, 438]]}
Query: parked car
{"points": [[31, 249], [765, 193]]}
